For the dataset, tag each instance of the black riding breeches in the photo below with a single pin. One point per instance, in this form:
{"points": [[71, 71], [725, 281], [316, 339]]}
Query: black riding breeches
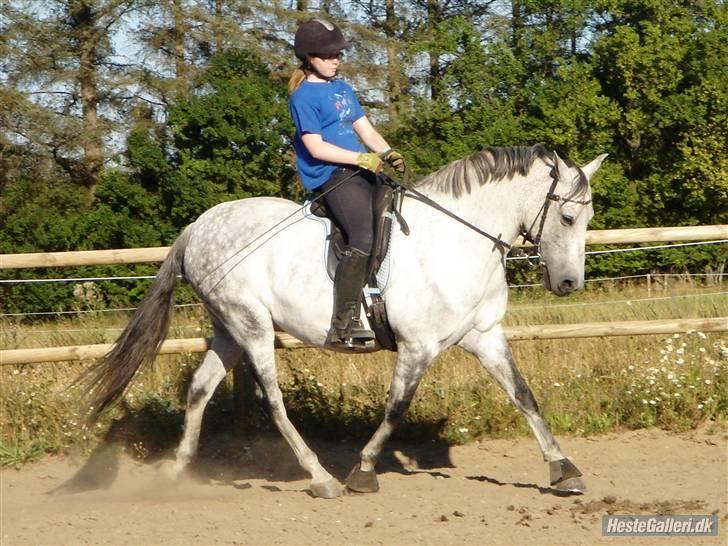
{"points": [[351, 205]]}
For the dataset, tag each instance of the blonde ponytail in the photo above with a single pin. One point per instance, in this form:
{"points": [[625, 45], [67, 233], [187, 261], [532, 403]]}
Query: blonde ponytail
{"points": [[296, 79]]}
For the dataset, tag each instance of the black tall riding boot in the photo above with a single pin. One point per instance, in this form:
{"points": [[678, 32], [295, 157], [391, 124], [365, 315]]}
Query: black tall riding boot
{"points": [[346, 329]]}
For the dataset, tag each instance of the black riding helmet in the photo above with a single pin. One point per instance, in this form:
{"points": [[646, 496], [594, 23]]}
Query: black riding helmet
{"points": [[319, 38]]}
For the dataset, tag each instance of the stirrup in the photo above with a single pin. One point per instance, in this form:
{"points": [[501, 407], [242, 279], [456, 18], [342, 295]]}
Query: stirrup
{"points": [[358, 332], [353, 339]]}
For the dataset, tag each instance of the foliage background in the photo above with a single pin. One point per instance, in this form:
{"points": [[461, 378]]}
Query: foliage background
{"points": [[122, 120]]}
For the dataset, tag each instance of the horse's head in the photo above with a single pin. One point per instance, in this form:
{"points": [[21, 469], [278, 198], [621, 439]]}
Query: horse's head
{"points": [[559, 230]]}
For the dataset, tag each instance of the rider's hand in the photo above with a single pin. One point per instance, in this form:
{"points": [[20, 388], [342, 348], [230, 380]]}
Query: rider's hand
{"points": [[394, 159], [370, 162]]}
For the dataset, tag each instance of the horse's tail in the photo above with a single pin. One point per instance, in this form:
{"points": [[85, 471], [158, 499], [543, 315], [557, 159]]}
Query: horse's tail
{"points": [[105, 382]]}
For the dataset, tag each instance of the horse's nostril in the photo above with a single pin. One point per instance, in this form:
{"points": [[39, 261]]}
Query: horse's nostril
{"points": [[567, 285]]}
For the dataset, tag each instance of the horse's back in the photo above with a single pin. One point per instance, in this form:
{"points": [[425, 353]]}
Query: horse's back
{"points": [[243, 210], [254, 244]]}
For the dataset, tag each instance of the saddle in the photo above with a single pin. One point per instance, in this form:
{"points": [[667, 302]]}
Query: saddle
{"points": [[386, 205]]}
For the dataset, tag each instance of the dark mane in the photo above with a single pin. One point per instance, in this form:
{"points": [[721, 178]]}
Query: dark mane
{"points": [[491, 164]]}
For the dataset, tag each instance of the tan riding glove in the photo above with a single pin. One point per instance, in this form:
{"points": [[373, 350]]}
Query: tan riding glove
{"points": [[394, 160], [370, 162]]}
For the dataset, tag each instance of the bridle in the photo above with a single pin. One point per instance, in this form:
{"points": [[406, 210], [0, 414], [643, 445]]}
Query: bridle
{"points": [[551, 197], [499, 243]]}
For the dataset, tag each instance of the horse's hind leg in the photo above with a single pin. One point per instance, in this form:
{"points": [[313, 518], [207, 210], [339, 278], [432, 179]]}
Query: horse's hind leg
{"points": [[495, 356], [256, 334], [223, 355], [412, 362]]}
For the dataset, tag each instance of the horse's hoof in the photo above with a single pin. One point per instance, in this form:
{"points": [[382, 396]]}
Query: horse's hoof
{"points": [[169, 471], [570, 486], [329, 489], [565, 477], [362, 481]]}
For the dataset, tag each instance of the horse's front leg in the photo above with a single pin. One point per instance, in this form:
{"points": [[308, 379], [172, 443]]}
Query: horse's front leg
{"points": [[495, 356], [408, 371]]}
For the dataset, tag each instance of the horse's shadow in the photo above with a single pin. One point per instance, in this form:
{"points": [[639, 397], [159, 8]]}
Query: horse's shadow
{"points": [[232, 452]]}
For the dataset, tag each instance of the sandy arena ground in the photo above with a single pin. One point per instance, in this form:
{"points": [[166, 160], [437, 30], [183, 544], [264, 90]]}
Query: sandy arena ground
{"points": [[492, 492]]}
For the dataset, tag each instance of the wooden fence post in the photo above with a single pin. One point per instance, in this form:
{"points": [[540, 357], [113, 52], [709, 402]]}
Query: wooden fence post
{"points": [[649, 285]]}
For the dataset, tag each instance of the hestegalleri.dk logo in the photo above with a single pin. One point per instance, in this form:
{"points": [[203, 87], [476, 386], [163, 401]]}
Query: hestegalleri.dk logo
{"points": [[628, 525]]}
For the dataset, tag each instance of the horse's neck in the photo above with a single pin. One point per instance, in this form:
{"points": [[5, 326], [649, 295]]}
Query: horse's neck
{"points": [[499, 208]]}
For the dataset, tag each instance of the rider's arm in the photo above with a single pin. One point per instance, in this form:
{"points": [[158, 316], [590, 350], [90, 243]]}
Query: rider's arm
{"points": [[325, 151], [370, 136]]}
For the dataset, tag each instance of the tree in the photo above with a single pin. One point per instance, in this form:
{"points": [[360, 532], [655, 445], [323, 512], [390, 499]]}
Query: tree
{"points": [[663, 63], [60, 57], [231, 138]]}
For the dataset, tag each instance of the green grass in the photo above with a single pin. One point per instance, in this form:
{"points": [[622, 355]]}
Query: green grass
{"points": [[583, 386]]}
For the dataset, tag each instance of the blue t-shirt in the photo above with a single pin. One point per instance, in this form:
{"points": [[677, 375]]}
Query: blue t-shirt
{"points": [[330, 110]]}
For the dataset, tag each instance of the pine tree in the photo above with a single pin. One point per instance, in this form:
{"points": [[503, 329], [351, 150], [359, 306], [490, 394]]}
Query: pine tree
{"points": [[62, 76]]}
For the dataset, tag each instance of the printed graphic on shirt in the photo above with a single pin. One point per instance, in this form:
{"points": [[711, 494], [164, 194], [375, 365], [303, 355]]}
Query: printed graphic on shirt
{"points": [[345, 109]]}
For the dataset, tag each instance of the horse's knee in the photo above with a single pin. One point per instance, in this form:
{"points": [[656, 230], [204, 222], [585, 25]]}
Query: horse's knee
{"points": [[196, 394]]}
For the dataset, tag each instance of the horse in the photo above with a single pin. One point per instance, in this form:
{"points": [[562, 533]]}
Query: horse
{"points": [[253, 262]]}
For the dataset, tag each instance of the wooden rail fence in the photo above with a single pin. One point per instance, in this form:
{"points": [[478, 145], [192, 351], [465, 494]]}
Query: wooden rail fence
{"points": [[157, 254], [558, 331], [516, 333]]}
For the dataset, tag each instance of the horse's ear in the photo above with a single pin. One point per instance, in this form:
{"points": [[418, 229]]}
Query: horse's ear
{"points": [[592, 167], [561, 166]]}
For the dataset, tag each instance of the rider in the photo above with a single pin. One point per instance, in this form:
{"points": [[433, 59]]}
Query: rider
{"points": [[330, 129]]}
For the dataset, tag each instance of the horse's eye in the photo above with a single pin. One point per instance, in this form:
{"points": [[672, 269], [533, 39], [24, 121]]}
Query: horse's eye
{"points": [[567, 220]]}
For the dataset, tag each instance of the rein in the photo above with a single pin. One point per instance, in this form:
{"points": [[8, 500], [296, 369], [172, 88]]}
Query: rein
{"points": [[499, 243]]}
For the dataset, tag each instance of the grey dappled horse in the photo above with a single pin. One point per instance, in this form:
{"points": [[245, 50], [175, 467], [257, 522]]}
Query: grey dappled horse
{"points": [[447, 286]]}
